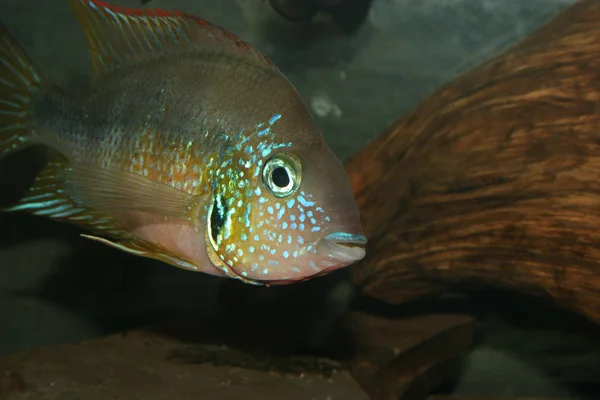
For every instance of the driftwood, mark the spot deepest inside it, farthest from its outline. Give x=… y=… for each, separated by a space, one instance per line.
x=495 y=178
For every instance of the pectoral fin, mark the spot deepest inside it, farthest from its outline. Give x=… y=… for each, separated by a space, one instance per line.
x=47 y=197
x=50 y=197
x=105 y=189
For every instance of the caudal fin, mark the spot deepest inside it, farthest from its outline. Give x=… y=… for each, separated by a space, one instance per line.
x=19 y=81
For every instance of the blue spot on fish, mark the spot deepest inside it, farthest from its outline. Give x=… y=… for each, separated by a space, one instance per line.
x=264 y=132
x=247 y=216
x=305 y=202
x=274 y=118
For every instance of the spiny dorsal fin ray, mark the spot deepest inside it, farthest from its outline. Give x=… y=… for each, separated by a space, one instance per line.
x=123 y=36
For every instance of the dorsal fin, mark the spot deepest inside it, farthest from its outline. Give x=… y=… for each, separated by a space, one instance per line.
x=122 y=36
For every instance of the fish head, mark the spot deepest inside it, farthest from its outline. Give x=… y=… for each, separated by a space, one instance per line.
x=282 y=211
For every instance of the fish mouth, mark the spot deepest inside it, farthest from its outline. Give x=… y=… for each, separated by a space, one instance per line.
x=343 y=247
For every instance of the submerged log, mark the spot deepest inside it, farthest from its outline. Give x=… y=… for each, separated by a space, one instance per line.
x=495 y=178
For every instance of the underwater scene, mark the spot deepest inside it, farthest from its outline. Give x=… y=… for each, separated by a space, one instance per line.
x=300 y=199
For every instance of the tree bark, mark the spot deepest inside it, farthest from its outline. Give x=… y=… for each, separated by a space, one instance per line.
x=495 y=178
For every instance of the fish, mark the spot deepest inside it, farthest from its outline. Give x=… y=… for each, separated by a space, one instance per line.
x=188 y=146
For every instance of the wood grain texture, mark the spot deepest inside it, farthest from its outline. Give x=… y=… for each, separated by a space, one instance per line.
x=495 y=178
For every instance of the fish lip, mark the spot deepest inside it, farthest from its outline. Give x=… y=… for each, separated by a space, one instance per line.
x=347 y=239
x=343 y=246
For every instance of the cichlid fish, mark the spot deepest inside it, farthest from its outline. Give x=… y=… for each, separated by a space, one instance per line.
x=189 y=146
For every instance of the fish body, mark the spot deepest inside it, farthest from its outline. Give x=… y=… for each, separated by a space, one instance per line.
x=189 y=146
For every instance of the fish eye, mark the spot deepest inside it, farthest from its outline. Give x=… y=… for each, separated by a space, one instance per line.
x=282 y=174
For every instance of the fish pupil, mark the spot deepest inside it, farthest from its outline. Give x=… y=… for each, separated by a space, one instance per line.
x=280 y=177
x=217 y=219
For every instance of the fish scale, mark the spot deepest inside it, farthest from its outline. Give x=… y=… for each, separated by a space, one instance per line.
x=189 y=146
